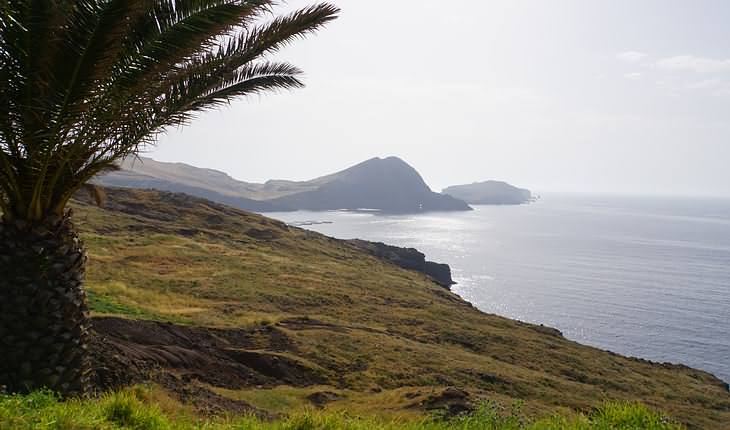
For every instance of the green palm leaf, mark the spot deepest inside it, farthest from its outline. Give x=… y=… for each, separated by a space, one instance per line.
x=84 y=83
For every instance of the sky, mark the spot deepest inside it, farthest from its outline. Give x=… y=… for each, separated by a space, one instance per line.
x=561 y=95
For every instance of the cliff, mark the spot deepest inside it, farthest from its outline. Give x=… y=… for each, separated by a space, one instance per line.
x=407 y=258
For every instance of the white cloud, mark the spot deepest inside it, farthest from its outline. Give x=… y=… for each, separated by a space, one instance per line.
x=691 y=63
x=631 y=56
x=632 y=76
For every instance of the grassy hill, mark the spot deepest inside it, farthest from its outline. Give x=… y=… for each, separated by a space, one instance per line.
x=226 y=310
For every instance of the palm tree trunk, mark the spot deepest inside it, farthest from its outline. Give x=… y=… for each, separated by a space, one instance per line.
x=44 y=321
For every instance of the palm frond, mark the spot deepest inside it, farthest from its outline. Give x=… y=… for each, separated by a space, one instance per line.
x=85 y=83
x=202 y=92
x=172 y=38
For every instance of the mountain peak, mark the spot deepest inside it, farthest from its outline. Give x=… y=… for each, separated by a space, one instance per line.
x=389 y=160
x=387 y=184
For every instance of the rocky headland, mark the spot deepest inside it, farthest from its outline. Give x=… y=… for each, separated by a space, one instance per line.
x=409 y=259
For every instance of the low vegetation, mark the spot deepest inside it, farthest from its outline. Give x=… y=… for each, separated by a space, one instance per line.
x=231 y=312
x=144 y=409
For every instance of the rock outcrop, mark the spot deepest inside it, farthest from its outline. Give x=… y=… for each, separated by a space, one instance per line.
x=407 y=258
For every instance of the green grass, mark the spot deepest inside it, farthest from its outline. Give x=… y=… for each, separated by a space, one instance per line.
x=107 y=305
x=133 y=409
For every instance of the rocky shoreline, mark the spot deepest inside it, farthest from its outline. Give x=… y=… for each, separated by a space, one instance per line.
x=407 y=258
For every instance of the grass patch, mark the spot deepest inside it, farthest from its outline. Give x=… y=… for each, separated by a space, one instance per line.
x=132 y=409
x=107 y=305
x=116 y=298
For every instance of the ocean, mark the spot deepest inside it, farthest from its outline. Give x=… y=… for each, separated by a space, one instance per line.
x=641 y=276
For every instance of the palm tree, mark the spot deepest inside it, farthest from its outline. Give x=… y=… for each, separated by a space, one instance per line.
x=84 y=83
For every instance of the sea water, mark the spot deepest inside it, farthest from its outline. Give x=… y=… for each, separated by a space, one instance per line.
x=641 y=276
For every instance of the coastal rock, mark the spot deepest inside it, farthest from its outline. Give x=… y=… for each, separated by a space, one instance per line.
x=407 y=258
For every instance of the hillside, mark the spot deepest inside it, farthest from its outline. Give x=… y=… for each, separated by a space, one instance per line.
x=146 y=173
x=226 y=310
x=388 y=184
x=489 y=193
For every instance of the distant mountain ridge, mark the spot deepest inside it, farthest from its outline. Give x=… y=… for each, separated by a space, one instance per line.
x=490 y=193
x=224 y=195
x=387 y=184
x=384 y=184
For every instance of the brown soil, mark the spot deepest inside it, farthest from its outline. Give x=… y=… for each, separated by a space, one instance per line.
x=185 y=359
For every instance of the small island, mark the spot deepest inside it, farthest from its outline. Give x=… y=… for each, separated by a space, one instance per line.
x=490 y=193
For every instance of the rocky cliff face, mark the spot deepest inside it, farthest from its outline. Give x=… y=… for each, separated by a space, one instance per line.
x=407 y=258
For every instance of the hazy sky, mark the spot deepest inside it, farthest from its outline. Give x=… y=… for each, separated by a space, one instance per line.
x=552 y=95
